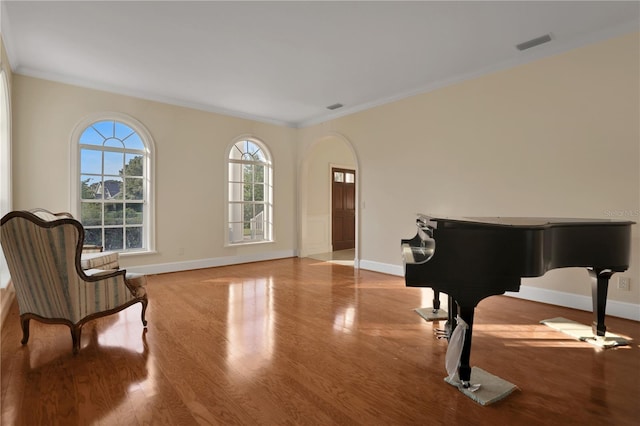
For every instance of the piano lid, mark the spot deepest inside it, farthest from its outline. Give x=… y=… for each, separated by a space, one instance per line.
x=525 y=222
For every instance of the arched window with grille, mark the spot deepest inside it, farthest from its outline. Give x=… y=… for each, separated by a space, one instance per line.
x=113 y=184
x=250 y=192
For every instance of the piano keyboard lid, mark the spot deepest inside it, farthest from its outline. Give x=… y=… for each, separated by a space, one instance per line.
x=523 y=222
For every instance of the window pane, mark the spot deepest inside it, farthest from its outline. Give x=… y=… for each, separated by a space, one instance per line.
x=113 y=163
x=235 y=232
x=113 y=239
x=133 y=188
x=133 y=165
x=258 y=173
x=91 y=137
x=113 y=214
x=255 y=151
x=248 y=212
x=90 y=161
x=134 y=213
x=122 y=131
x=93 y=236
x=236 y=152
x=236 y=191
x=258 y=192
x=351 y=178
x=257 y=223
x=338 y=177
x=113 y=143
x=247 y=192
x=247 y=173
x=89 y=186
x=111 y=189
x=91 y=214
x=104 y=128
x=134 y=142
x=134 y=237
x=235 y=212
x=235 y=172
x=251 y=152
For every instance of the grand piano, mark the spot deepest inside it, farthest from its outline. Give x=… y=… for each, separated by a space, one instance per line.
x=470 y=259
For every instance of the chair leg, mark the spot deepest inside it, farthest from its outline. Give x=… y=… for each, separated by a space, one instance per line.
x=76 y=331
x=144 y=302
x=25 y=330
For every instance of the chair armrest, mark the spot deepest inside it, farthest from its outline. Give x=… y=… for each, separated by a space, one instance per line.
x=136 y=283
x=99 y=260
x=95 y=274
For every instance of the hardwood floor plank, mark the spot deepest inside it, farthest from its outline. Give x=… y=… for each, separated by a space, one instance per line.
x=304 y=342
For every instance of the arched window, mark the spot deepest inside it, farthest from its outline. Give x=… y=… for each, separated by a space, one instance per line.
x=113 y=184
x=250 y=193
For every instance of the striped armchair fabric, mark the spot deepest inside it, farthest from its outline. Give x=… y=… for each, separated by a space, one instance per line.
x=92 y=256
x=44 y=258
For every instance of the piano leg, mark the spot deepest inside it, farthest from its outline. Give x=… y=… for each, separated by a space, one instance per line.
x=436 y=301
x=464 y=370
x=599 y=288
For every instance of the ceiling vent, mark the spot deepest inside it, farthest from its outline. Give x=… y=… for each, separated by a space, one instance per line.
x=335 y=106
x=534 y=42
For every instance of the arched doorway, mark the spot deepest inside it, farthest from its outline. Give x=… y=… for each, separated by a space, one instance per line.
x=328 y=213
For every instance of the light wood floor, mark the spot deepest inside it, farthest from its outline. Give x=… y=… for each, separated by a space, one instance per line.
x=299 y=341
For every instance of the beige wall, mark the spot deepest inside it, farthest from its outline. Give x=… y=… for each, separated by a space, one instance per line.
x=190 y=167
x=556 y=137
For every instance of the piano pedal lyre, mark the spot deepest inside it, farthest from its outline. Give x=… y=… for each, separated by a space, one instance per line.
x=444 y=333
x=441 y=333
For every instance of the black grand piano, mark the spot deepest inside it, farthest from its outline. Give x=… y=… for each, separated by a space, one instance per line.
x=470 y=259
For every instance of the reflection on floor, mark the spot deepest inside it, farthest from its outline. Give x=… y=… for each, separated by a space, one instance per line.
x=341 y=257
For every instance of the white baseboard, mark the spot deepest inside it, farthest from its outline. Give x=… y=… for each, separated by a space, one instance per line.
x=552 y=297
x=188 y=265
x=569 y=300
x=384 y=268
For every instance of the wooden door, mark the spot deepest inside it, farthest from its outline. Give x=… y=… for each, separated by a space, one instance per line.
x=343 y=209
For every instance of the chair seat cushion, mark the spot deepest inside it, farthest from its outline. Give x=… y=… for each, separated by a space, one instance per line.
x=101 y=260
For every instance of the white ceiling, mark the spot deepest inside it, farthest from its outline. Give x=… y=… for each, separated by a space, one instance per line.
x=285 y=62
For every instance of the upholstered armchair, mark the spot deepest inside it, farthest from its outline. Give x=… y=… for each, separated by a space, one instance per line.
x=44 y=254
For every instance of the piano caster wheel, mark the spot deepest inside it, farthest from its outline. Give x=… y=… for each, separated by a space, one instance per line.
x=469 y=387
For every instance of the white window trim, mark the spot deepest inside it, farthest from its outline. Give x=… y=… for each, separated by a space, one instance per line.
x=150 y=212
x=6 y=195
x=267 y=151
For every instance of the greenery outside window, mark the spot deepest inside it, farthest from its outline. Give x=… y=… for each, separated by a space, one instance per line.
x=250 y=193
x=114 y=186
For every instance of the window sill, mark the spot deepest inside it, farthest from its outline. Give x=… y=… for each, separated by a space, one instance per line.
x=249 y=243
x=136 y=253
